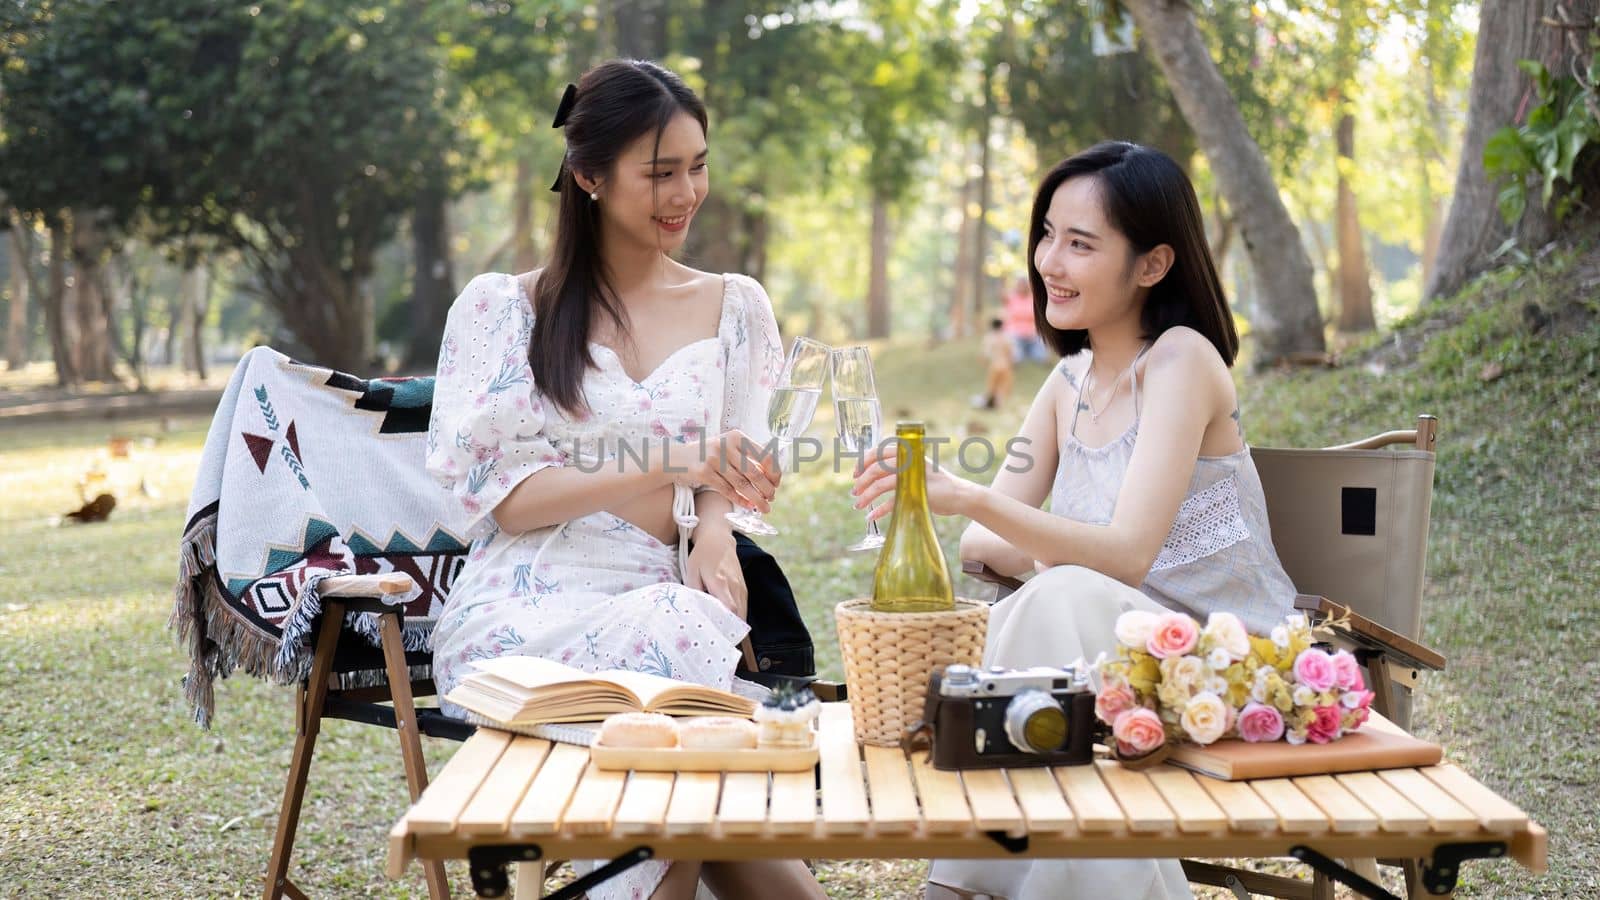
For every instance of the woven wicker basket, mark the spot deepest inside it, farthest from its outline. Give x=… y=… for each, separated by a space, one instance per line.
x=888 y=657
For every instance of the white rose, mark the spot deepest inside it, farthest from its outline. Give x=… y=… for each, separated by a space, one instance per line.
x=1205 y=718
x=1258 y=688
x=1134 y=627
x=1183 y=672
x=1219 y=659
x=1227 y=632
x=1291 y=737
x=1303 y=696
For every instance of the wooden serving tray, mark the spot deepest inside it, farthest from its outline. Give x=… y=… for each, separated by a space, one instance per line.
x=674 y=759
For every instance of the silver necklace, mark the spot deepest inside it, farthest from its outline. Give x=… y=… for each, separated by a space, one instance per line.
x=1094 y=414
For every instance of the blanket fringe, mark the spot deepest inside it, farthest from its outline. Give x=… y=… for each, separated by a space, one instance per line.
x=346 y=681
x=414 y=635
x=220 y=640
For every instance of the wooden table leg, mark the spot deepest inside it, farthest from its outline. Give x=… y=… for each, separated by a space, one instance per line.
x=530 y=880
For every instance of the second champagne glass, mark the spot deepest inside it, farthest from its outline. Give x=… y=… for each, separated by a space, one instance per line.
x=794 y=402
x=859 y=416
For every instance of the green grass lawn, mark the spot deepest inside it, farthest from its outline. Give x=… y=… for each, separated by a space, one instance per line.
x=107 y=788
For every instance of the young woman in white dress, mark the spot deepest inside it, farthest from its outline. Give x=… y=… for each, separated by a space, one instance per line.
x=592 y=417
x=1136 y=439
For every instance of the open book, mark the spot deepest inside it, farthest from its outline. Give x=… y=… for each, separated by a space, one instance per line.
x=526 y=690
x=1379 y=744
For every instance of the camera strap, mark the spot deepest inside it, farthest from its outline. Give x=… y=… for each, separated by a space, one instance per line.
x=919 y=735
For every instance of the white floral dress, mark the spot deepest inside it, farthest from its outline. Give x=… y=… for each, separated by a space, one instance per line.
x=596 y=592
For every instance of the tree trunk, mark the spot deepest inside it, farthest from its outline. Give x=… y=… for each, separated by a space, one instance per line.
x=716 y=241
x=1287 y=318
x=432 y=281
x=1502 y=94
x=94 y=321
x=56 y=321
x=327 y=311
x=1432 y=233
x=1223 y=240
x=524 y=243
x=17 y=334
x=194 y=291
x=138 y=294
x=961 y=287
x=1355 y=283
x=1432 y=138
x=878 y=277
x=980 y=234
x=636 y=28
x=755 y=247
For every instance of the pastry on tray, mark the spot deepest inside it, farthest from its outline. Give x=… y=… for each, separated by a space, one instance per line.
x=785 y=718
x=717 y=733
x=639 y=731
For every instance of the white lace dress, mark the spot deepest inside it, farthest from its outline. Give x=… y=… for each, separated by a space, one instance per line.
x=1217 y=556
x=596 y=592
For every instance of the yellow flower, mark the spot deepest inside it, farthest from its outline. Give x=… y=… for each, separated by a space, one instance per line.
x=1142 y=676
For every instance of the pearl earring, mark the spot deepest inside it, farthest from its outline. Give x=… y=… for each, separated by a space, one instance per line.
x=594 y=195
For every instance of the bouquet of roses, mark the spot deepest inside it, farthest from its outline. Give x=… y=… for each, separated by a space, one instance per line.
x=1173 y=680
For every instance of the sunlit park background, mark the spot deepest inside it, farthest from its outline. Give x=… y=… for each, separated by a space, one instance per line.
x=1402 y=210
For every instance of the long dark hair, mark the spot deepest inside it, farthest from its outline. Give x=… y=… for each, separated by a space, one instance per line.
x=617 y=102
x=1150 y=201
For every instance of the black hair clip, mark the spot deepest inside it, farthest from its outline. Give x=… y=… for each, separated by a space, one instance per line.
x=569 y=99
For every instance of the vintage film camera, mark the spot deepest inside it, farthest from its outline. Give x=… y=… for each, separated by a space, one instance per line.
x=992 y=718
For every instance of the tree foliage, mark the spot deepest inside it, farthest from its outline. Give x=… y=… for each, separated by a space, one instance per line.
x=297 y=133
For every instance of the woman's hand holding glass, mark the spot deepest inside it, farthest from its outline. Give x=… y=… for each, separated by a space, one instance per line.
x=948 y=495
x=734 y=465
x=794 y=402
x=859 y=417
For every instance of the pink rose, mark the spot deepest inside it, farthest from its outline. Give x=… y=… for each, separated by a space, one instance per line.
x=1325 y=727
x=1174 y=635
x=1357 y=705
x=1114 y=700
x=1347 y=671
x=1138 y=731
x=1259 y=722
x=1354 y=718
x=1314 y=669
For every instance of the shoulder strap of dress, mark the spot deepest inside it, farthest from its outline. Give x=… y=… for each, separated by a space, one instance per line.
x=1077 y=402
x=1134 y=371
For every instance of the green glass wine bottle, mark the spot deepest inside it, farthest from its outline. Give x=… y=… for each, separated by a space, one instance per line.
x=911 y=575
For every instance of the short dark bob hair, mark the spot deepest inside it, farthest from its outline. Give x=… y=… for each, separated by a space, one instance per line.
x=1149 y=200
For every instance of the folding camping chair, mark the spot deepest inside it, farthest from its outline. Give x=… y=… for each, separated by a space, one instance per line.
x=278 y=414
x=1350 y=524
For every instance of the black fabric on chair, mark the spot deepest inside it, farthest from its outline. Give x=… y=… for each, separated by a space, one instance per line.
x=778 y=633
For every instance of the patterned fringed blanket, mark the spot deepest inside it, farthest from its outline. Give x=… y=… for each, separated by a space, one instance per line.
x=306 y=473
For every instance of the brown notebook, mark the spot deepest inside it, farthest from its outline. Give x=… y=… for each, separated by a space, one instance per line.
x=1379 y=744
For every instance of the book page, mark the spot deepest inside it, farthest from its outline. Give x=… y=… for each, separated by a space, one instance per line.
x=534 y=672
x=658 y=694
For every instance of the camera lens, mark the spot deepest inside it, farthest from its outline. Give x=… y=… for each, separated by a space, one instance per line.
x=1035 y=722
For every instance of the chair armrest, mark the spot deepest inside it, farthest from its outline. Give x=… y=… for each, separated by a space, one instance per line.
x=1364 y=632
x=384 y=584
x=982 y=572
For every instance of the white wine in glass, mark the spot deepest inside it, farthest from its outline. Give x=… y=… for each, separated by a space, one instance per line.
x=794 y=402
x=858 y=415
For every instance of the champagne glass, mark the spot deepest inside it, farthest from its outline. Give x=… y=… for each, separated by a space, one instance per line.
x=794 y=402
x=859 y=416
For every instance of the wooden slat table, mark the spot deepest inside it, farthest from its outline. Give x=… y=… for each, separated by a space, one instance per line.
x=503 y=798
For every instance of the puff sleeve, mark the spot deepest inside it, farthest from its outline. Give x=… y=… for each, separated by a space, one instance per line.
x=486 y=433
x=754 y=360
